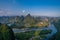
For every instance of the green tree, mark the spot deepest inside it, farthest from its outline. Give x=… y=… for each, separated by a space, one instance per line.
x=6 y=32
x=37 y=32
x=1 y=38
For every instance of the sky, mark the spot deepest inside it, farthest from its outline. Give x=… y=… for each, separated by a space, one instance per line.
x=33 y=7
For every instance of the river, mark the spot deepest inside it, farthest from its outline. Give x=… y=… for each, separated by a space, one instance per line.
x=50 y=27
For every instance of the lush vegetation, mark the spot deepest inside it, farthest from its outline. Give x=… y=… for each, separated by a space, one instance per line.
x=28 y=22
x=6 y=33
x=31 y=34
x=45 y=32
x=24 y=36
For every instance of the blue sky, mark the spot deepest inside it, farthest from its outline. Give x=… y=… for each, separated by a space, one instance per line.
x=34 y=7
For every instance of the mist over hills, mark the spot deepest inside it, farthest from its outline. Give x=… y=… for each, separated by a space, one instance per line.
x=27 y=20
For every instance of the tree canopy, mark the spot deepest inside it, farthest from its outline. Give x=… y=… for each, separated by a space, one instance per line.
x=6 y=32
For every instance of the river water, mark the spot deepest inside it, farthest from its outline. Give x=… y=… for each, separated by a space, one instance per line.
x=50 y=27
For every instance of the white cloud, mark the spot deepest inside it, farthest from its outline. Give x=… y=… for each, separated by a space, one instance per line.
x=23 y=11
x=53 y=13
x=2 y=11
x=5 y=12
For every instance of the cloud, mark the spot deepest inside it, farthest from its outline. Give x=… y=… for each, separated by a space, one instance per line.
x=23 y=11
x=5 y=12
x=53 y=13
x=2 y=11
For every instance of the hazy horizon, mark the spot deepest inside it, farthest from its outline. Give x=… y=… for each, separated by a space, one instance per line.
x=33 y=7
